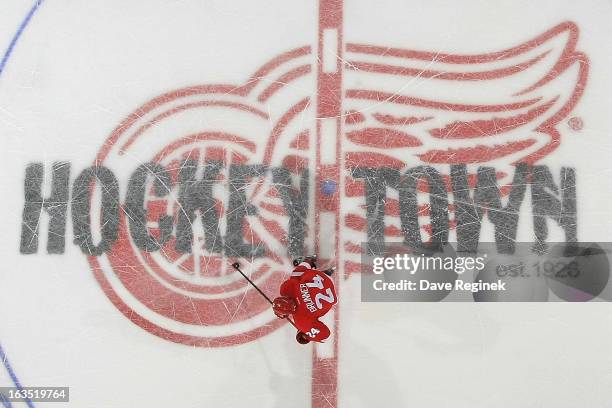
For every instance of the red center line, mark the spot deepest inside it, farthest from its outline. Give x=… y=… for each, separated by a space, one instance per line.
x=329 y=107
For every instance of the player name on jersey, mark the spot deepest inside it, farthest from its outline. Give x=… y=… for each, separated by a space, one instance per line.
x=306 y=298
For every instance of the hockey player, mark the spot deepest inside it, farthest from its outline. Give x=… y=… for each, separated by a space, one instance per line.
x=307 y=295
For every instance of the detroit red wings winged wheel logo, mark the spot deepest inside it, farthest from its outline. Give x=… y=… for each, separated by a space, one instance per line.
x=401 y=108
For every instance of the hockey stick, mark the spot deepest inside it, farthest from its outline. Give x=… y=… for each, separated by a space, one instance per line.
x=236 y=266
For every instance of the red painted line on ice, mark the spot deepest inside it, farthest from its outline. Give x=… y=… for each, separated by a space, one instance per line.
x=329 y=105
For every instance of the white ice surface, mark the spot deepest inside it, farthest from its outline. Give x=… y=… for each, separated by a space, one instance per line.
x=81 y=67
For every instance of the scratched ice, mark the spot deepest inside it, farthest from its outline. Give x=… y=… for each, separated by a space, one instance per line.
x=259 y=131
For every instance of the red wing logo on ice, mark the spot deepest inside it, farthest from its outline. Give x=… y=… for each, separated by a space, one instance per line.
x=407 y=108
x=399 y=106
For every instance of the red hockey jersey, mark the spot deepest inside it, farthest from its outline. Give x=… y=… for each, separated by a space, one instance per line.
x=315 y=295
